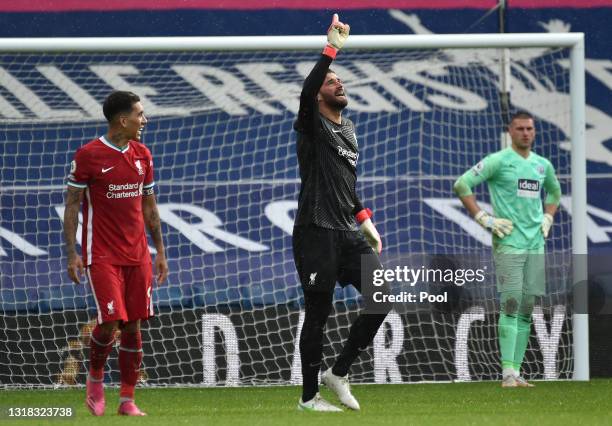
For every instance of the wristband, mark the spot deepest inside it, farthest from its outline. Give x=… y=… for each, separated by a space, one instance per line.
x=330 y=51
x=363 y=215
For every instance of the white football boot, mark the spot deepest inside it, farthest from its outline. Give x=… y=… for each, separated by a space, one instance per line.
x=509 y=381
x=317 y=404
x=522 y=383
x=340 y=386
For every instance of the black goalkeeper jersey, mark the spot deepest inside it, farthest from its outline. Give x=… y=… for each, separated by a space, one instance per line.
x=327 y=155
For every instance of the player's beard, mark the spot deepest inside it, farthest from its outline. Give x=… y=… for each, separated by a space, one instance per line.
x=337 y=103
x=340 y=103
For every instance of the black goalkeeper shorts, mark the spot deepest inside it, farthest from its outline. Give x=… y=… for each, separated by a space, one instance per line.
x=326 y=256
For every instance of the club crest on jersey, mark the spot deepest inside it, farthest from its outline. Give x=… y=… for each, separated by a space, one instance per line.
x=540 y=169
x=139 y=167
x=528 y=188
x=313 y=277
x=110 y=306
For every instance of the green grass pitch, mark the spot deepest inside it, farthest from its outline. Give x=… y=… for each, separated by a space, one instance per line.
x=549 y=403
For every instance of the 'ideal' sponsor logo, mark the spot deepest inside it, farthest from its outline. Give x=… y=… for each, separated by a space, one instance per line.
x=528 y=188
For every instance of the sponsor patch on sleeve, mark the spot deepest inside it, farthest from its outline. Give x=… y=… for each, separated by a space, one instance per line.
x=73 y=167
x=478 y=168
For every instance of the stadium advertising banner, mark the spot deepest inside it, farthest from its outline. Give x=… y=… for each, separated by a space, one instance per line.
x=230 y=347
x=220 y=131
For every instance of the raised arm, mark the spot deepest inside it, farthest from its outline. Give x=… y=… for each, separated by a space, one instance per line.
x=308 y=114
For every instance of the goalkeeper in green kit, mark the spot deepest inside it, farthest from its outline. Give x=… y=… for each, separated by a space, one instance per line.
x=519 y=225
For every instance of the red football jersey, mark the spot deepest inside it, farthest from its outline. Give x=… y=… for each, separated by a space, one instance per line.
x=114 y=180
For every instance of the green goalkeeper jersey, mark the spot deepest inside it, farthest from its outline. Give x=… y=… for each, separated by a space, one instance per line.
x=515 y=186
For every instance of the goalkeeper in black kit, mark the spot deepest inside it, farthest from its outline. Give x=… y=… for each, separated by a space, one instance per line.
x=327 y=246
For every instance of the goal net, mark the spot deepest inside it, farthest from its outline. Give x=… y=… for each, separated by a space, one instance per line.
x=220 y=130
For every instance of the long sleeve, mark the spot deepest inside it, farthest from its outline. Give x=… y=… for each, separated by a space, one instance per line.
x=308 y=114
x=552 y=187
x=481 y=172
x=358 y=206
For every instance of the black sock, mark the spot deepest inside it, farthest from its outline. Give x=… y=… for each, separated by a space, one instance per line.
x=361 y=335
x=318 y=308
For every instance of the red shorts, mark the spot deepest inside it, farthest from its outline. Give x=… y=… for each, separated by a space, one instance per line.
x=122 y=293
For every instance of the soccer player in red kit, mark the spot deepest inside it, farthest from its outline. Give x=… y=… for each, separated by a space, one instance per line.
x=112 y=176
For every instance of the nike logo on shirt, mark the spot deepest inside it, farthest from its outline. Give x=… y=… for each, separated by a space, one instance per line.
x=107 y=170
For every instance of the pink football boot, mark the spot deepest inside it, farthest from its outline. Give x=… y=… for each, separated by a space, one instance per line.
x=95 y=397
x=128 y=408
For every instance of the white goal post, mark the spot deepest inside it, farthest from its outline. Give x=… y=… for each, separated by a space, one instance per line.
x=271 y=178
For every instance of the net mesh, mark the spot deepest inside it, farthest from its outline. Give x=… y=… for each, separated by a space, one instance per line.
x=220 y=130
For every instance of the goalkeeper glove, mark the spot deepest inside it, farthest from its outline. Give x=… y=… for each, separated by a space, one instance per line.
x=369 y=230
x=547 y=222
x=500 y=227
x=337 y=34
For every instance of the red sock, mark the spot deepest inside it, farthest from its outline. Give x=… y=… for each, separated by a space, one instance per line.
x=100 y=346
x=130 y=357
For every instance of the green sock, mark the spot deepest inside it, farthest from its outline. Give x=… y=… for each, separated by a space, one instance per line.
x=507 y=330
x=523 y=330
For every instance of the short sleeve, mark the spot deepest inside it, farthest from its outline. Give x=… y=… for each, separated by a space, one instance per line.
x=149 y=180
x=80 y=173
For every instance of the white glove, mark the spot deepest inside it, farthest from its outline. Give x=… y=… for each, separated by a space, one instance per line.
x=547 y=222
x=371 y=235
x=337 y=33
x=500 y=227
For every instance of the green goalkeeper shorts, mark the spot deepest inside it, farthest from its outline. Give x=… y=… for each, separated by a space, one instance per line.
x=521 y=270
